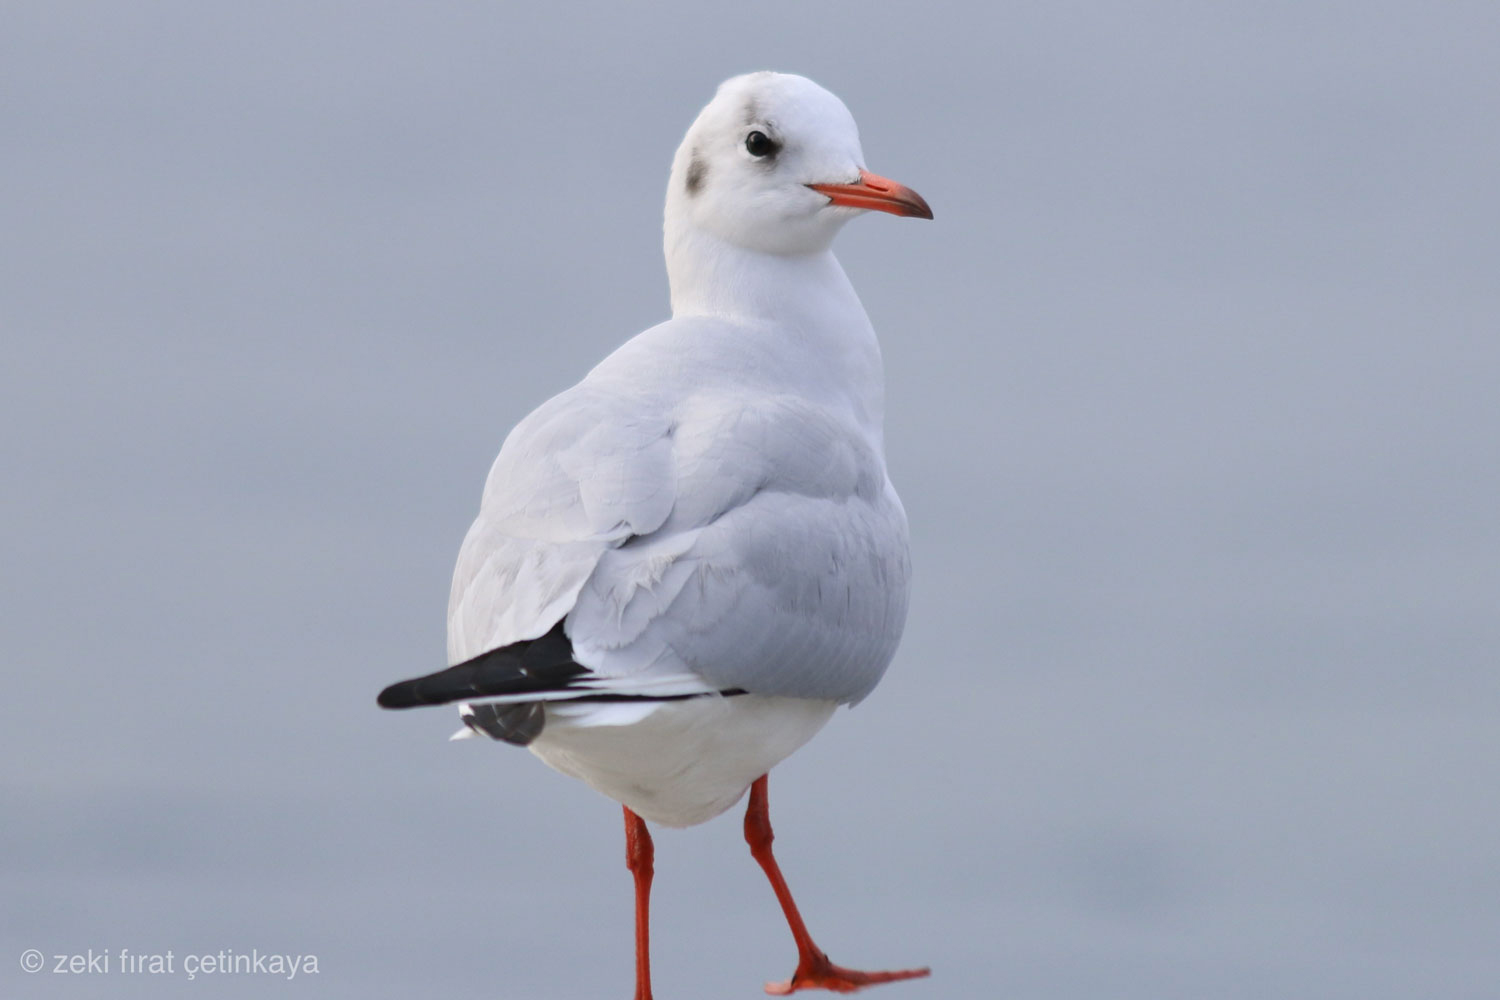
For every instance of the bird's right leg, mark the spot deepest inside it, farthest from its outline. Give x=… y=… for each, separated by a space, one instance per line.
x=814 y=970
x=640 y=857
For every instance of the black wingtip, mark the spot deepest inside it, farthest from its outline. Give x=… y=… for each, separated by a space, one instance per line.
x=532 y=665
x=398 y=695
x=453 y=684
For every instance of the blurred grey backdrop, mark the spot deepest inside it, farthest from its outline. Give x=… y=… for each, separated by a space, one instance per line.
x=1192 y=401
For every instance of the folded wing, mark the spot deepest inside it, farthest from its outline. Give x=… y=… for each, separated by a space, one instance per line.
x=724 y=540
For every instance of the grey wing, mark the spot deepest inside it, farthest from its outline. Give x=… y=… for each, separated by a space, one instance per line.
x=784 y=568
x=575 y=479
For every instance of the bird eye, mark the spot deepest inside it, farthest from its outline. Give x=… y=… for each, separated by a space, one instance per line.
x=759 y=144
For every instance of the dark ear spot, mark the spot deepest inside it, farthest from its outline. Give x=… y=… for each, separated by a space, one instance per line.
x=697 y=172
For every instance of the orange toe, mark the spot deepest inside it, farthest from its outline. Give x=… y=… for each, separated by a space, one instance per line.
x=818 y=973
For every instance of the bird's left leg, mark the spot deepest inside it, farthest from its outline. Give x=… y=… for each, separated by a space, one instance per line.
x=640 y=856
x=814 y=970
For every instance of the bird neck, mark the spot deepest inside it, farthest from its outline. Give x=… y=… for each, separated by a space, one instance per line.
x=803 y=304
x=709 y=276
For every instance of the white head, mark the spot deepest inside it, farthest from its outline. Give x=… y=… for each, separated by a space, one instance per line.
x=773 y=164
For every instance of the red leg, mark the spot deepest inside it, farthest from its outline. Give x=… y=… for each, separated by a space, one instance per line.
x=814 y=970
x=639 y=858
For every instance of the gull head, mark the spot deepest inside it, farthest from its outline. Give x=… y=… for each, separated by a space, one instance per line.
x=773 y=164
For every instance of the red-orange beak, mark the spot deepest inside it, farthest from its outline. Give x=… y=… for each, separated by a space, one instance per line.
x=880 y=194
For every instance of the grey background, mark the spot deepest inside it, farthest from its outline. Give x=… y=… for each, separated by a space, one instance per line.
x=1192 y=401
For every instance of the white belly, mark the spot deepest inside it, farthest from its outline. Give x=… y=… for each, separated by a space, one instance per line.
x=687 y=761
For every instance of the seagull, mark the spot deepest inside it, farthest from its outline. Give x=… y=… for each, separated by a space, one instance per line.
x=683 y=564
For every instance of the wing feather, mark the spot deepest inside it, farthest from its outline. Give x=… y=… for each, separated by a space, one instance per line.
x=719 y=539
x=783 y=569
x=580 y=475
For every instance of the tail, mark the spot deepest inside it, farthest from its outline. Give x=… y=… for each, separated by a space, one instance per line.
x=517 y=725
